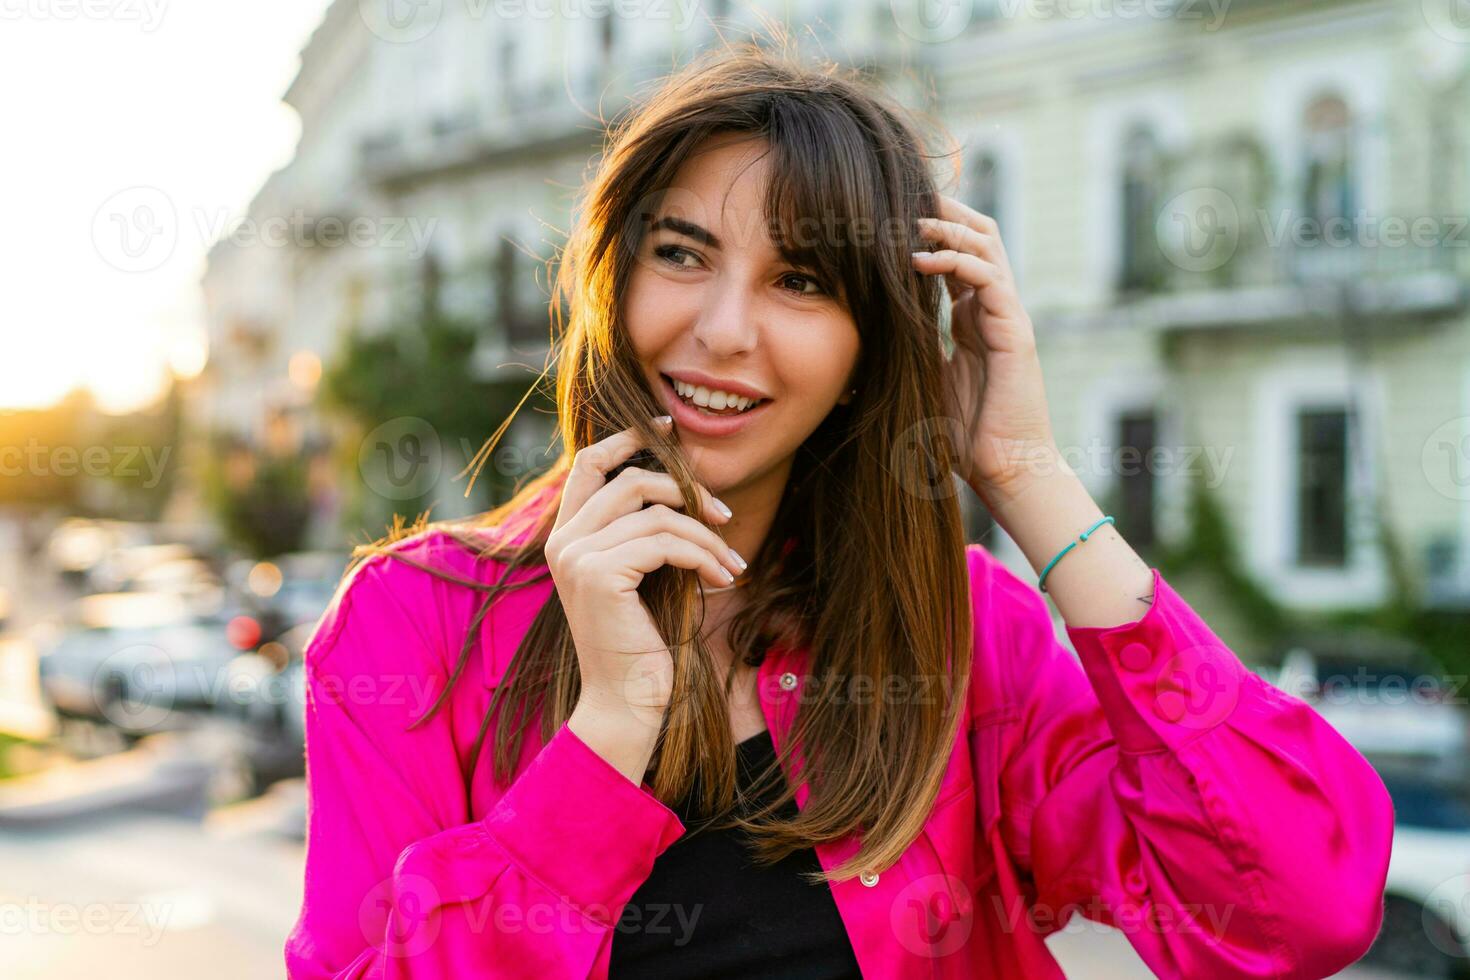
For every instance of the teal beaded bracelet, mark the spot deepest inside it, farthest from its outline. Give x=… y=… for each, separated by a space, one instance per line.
x=1041 y=582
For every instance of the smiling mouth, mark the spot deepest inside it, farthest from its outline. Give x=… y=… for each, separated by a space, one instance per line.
x=687 y=394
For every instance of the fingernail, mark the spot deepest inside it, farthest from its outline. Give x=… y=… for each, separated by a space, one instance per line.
x=919 y=255
x=663 y=419
x=738 y=560
x=720 y=506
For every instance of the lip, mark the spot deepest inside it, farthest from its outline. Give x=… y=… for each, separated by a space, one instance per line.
x=687 y=417
x=717 y=384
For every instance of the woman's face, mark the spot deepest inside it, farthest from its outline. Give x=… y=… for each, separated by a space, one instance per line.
x=712 y=302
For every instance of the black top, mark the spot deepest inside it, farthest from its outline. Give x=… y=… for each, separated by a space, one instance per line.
x=708 y=910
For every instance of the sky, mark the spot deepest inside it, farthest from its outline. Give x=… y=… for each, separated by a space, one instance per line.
x=132 y=131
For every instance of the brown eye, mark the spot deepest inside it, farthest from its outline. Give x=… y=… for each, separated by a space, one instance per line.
x=672 y=254
x=816 y=287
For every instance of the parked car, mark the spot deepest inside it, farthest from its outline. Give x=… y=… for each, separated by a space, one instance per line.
x=79 y=545
x=287 y=591
x=136 y=661
x=267 y=699
x=1426 y=910
x=1387 y=698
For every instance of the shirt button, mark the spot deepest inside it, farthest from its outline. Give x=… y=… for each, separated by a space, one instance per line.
x=869 y=878
x=788 y=681
x=1136 y=657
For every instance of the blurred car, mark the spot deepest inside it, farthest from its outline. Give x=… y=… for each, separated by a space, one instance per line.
x=136 y=660
x=267 y=699
x=288 y=591
x=120 y=569
x=1387 y=698
x=189 y=578
x=1426 y=909
x=79 y=545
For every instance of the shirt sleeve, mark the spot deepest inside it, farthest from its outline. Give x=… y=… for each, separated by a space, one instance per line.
x=400 y=881
x=1155 y=784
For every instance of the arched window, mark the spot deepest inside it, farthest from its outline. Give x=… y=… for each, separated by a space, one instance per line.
x=1327 y=171
x=982 y=180
x=1142 y=262
x=521 y=318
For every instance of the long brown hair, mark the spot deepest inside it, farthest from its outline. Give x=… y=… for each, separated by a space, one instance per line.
x=864 y=565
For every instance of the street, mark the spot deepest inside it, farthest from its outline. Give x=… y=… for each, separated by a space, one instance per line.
x=139 y=895
x=137 y=898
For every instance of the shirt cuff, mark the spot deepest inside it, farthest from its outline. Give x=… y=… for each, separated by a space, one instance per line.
x=1164 y=679
x=580 y=827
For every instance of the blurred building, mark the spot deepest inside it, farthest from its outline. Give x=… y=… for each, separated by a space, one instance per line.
x=1245 y=246
x=1239 y=229
x=438 y=163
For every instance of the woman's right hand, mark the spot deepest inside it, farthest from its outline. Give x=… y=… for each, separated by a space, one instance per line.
x=604 y=541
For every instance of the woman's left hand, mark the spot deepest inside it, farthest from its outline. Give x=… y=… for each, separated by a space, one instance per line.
x=993 y=380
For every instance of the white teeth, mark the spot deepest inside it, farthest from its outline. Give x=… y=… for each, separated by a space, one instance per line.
x=714 y=400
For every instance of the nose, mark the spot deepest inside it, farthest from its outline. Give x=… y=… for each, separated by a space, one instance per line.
x=727 y=325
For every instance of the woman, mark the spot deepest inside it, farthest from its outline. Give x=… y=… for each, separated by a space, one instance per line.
x=862 y=751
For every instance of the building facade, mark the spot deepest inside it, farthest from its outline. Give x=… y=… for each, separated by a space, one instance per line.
x=1239 y=228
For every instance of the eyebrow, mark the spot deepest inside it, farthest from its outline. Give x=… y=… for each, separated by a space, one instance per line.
x=688 y=229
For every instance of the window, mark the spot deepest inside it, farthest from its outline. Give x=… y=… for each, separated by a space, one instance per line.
x=1327 y=178
x=508 y=68
x=983 y=191
x=1322 y=475
x=517 y=313
x=606 y=36
x=1137 y=486
x=1143 y=173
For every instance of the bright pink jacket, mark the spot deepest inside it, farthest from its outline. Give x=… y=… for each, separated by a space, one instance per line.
x=1157 y=786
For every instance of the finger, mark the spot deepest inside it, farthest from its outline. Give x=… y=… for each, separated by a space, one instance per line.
x=963 y=238
x=951 y=209
x=964 y=266
x=662 y=518
x=591 y=464
x=647 y=554
x=630 y=491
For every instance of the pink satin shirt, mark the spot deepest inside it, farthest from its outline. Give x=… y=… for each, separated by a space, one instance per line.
x=1150 y=782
